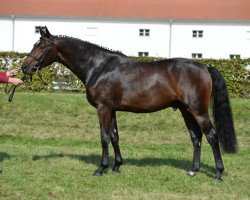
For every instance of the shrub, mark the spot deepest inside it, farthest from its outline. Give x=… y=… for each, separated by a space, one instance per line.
x=57 y=76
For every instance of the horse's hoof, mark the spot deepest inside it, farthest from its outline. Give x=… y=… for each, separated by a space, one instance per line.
x=218 y=175
x=97 y=173
x=116 y=171
x=100 y=171
x=191 y=173
x=218 y=178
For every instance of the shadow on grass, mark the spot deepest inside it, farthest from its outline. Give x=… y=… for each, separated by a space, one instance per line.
x=3 y=156
x=95 y=159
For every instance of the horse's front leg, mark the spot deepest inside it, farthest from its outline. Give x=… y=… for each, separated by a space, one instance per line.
x=104 y=114
x=115 y=143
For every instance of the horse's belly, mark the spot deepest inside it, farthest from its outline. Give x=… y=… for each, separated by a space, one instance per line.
x=147 y=102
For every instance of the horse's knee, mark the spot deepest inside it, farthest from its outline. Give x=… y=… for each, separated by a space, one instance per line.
x=114 y=136
x=204 y=123
x=105 y=139
x=208 y=128
x=212 y=137
x=196 y=139
x=196 y=143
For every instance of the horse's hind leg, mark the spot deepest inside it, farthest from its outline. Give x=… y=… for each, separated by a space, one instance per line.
x=196 y=136
x=212 y=138
x=115 y=143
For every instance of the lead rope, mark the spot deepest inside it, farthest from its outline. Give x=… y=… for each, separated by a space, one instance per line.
x=12 y=89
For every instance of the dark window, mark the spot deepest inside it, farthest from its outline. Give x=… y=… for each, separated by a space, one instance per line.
x=144 y=32
x=194 y=33
x=200 y=34
x=196 y=55
x=143 y=54
x=197 y=34
x=234 y=56
x=37 y=30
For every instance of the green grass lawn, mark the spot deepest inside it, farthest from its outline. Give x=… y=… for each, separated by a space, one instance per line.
x=50 y=147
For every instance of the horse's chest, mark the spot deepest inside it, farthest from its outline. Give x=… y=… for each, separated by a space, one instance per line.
x=91 y=98
x=104 y=94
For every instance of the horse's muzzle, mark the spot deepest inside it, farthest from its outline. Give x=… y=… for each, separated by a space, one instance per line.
x=27 y=70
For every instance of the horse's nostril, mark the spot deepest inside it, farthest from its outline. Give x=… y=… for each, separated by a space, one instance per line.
x=24 y=69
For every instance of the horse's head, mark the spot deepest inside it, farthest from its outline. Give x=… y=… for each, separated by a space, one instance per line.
x=43 y=53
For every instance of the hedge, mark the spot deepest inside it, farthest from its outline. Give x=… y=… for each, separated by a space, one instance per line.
x=59 y=77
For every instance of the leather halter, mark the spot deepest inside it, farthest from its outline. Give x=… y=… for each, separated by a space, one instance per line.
x=40 y=60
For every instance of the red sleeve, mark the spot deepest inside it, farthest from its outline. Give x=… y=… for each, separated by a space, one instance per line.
x=3 y=77
x=2 y=73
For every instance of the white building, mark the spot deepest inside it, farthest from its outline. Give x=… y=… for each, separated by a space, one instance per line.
x=161 y=28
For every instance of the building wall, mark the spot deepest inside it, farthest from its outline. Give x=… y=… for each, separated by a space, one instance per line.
x=6 y=34
x=219 y=39
x=174 y=39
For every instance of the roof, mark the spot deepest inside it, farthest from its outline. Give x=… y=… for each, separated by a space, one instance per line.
x=131 y=9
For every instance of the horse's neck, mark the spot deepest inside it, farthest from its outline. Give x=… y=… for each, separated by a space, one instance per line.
x=80 y=61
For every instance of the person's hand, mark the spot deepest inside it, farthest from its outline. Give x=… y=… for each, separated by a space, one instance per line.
x=13 y=72
x=16 y=81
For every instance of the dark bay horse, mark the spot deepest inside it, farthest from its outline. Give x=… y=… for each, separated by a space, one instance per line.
x=115 y=82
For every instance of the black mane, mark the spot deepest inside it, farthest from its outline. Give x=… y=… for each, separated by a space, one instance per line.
x=90 y=45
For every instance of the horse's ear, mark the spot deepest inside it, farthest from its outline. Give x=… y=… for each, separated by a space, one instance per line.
x=44 y=32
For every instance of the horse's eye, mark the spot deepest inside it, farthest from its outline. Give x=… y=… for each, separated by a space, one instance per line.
x=41 y=46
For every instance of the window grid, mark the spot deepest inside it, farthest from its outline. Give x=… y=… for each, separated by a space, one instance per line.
x=144 y=32
x=196 y=55
x=197 y=33
x=37 y=29
x=234 y=56
x=143 y=54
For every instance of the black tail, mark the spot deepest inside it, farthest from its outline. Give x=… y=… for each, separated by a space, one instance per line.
x=223 y=118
